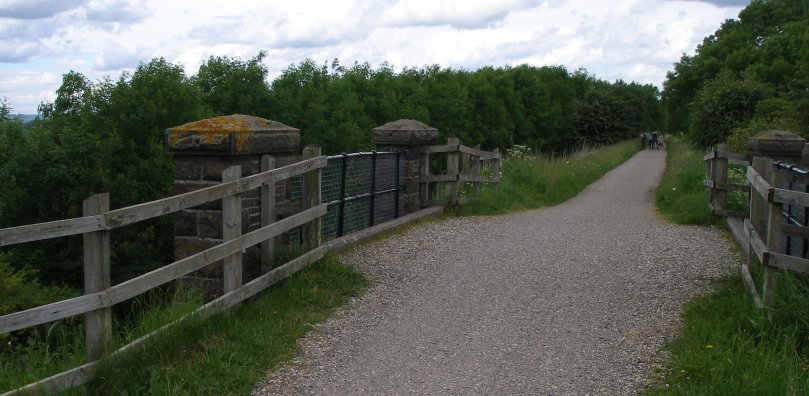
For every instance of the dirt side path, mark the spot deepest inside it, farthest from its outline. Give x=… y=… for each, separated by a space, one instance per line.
x=573 y=299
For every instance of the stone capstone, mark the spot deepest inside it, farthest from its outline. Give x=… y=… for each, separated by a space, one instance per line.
x=776 y=144
x=405 y=132
x=236 y=134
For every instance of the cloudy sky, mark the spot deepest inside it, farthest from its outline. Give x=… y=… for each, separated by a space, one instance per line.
x=634 y=40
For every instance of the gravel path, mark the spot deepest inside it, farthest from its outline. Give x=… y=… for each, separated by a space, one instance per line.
x=574 y=299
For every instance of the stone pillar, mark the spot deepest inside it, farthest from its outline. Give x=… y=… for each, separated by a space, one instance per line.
x=202 y=150
x=407 y=137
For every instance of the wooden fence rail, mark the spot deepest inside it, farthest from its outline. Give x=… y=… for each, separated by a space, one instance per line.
x=716 y=163
x=98 y=220
x=474 y=162
x=767 y=229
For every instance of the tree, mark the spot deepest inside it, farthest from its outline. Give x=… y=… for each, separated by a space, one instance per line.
x=230 y=86
x=721 y=106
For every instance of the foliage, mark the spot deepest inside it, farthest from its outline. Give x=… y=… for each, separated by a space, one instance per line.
x=231 y=86
x=720 y=107
x=96 y=137
x=545 y=108
x=21 y=290
x=728 y=347
x=681 y=195
x=751 y=72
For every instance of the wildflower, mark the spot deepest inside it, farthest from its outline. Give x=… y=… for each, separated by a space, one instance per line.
x=674 y=189
x=709 y=346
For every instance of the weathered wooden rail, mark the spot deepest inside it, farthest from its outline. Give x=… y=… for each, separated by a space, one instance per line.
x=768 y=226
x=100 y=296
x=473 y=164
x=716 y=164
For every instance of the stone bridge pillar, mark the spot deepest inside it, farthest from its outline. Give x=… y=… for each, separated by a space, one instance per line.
x=201 y=151
x=407 y=136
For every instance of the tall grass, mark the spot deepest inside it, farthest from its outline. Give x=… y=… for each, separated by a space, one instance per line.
x=681 y=196
x=529 y=181
x=54 y=347
x=229 y=353
x=225 y=354
x=728 y=347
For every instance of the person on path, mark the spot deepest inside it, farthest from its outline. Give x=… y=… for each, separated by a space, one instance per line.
x=642 y=140
x=653 y=140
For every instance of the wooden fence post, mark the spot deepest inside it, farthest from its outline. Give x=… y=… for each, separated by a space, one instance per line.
x=709 y=171
x=425 y=174
x=311 y=198
x=496 y=167
x=98 y=323
x=777 y=179
x=232 y=229
x=476 y=172
x=720 y=175
x=452 y=171
x=267 y=214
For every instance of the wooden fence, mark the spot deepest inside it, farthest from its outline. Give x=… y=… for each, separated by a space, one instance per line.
x=474 y=164
x=716 y=164
x=100 y=295
x=769 y=227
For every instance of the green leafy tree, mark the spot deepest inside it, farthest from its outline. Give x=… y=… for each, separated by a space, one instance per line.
x=767 y=45
x=231 y=86
x=721 y=106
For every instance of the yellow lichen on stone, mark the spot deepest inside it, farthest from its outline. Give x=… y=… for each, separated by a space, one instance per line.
x=213 y=130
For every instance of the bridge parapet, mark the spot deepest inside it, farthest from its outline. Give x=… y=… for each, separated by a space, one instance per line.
x=202 y=150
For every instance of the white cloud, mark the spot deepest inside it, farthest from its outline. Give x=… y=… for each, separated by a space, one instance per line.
x=29 y=89
x=116 y=56
x=466 y=14
x=118 y=11
x=36 y=9
x=627 y=39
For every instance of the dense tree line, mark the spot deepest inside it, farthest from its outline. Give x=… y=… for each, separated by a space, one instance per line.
x=107 y=135
x=751 y=75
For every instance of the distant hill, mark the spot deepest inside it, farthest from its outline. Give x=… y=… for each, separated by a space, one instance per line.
x=26 y=118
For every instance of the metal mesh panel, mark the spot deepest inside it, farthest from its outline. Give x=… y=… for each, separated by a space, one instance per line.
x=330 y=180
x=358 y=175
x=328 y=223
x=357 y=215
x=796 y=215
x=352 y=193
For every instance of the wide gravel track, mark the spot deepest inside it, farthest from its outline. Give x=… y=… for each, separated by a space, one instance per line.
x=577 y=298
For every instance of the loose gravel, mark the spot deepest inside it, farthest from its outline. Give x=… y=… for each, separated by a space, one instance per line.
x=579 y=299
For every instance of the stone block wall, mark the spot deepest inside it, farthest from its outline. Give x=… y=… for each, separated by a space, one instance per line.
x=202 y=150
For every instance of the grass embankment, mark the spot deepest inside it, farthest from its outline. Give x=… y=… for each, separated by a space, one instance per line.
x=727 y=346
x=529 y=181
x=226 y=354
x=229 y=353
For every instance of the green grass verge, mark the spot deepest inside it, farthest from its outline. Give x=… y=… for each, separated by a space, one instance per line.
x=229 y=353
x=529 y=182
x=226 y=354
x=681 y=196
x=728 y=347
